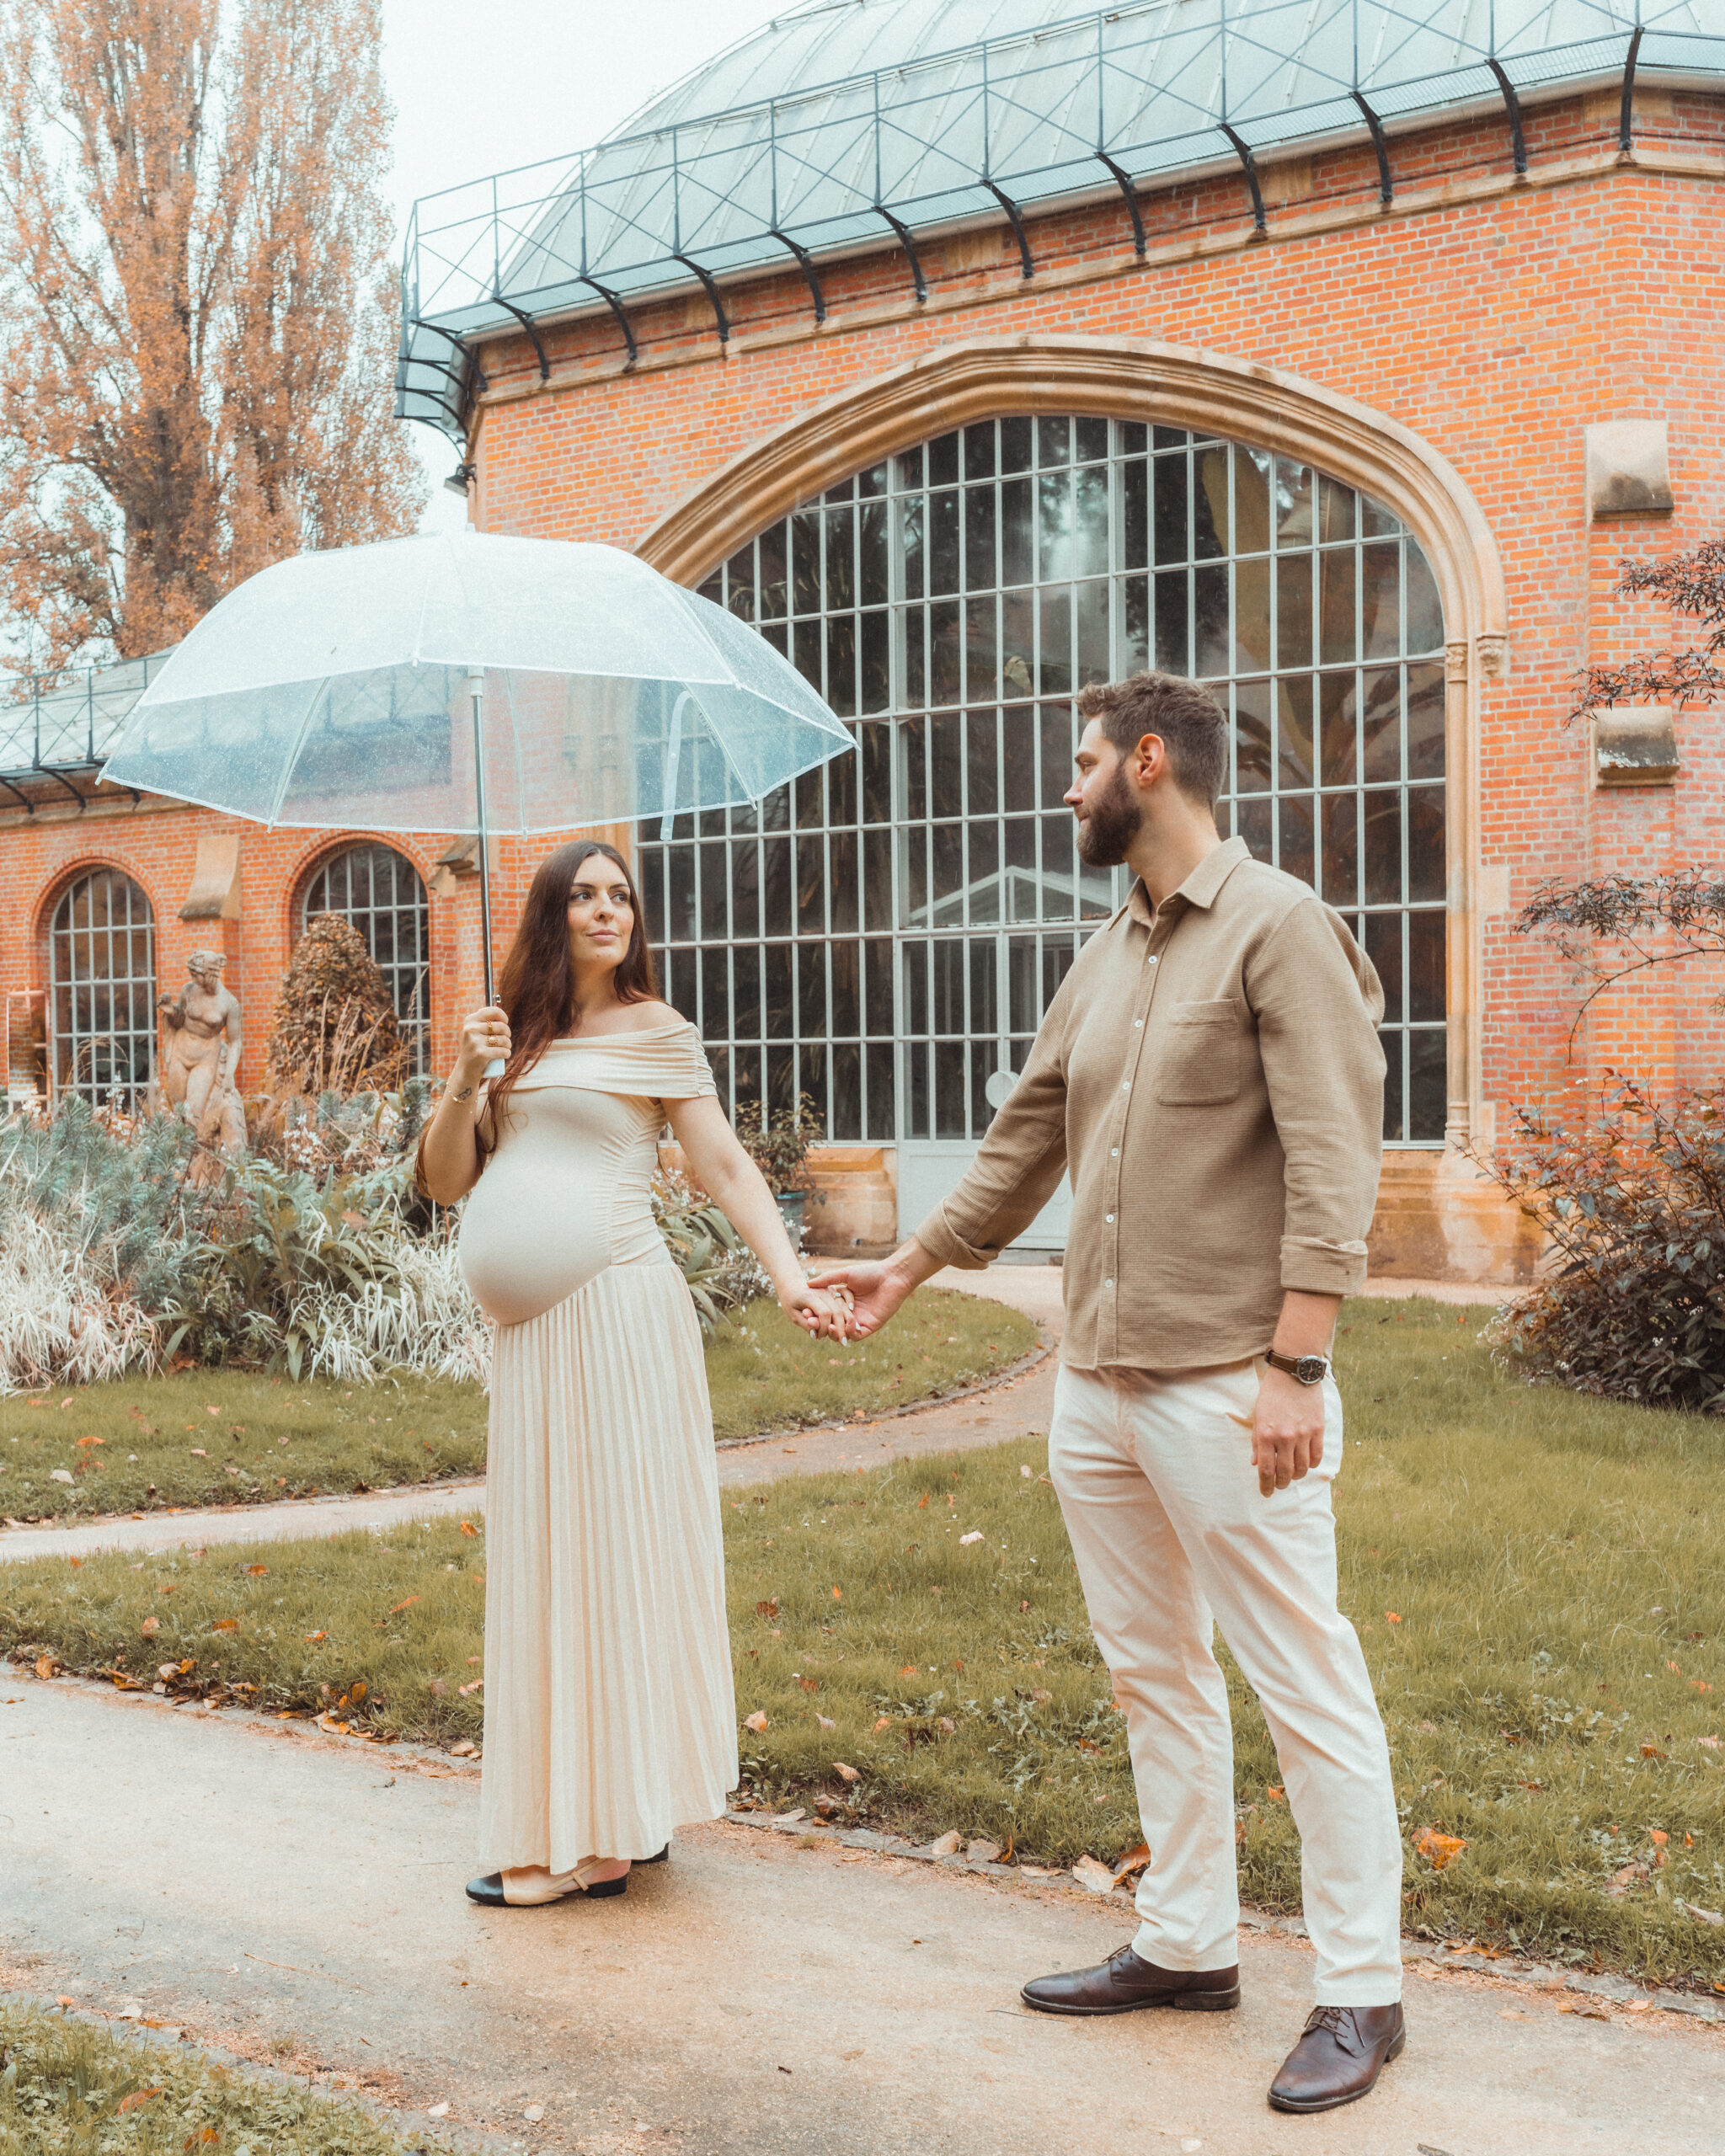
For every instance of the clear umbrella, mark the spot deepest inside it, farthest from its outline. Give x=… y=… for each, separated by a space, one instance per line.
x=466 y=682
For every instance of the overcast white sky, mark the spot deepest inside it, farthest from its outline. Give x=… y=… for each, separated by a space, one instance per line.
x=479 y=90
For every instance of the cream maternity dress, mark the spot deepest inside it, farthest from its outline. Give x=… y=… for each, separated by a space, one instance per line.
x=609 y=1713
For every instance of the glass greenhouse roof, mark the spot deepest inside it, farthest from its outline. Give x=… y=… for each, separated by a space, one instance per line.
x=850 y=123
x=67 y=722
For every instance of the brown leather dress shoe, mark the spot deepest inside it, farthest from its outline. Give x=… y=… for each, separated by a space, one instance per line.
x=1341 y=2055
x=1124 y=1983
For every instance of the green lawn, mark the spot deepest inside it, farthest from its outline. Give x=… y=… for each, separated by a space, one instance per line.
x=68 y=2087
x=1535 y=1577
x=223 y=1437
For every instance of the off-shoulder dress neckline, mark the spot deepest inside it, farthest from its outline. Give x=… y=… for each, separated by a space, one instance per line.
x=635 y=1033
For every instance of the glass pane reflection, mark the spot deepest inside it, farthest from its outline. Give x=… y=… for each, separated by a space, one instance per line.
x=948 y=604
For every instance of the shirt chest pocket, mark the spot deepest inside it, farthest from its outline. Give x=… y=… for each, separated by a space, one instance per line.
x=1200 y=1059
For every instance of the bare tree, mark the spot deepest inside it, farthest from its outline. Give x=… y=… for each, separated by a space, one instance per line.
x=196 y=309
x=1610 y=927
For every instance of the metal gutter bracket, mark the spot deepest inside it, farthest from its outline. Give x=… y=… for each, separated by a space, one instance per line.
x=1123 y=180
x=910 y=247
x=806 y=262
x=1386 y=185
x=1626 y=118
x=719 y=312
x=1013 y=211
x=1249 y=164
x=616 y=306
x=527 y=323
x=1512 y=105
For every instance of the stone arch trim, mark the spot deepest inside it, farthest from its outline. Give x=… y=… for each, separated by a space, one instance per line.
x=1171 y=384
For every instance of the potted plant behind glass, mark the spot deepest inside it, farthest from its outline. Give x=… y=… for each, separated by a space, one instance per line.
x=778 y=1146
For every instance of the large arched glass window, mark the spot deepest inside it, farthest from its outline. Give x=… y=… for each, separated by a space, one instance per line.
x=102 y=978
x=886 y=934
x=379 y=891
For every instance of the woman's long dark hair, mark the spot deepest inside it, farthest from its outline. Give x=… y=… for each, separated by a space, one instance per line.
x=537 y=986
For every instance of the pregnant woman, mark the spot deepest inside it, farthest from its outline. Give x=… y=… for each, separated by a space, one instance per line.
x=609 y=1715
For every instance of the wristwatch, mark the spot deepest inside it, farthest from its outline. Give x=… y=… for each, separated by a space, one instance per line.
x=1309 y=1369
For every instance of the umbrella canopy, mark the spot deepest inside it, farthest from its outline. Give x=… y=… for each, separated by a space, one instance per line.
x=337 y=690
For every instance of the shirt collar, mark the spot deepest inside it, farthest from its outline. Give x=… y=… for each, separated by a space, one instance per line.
x=1200 y=888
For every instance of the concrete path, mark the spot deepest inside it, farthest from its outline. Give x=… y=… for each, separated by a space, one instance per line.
x=255 y=1884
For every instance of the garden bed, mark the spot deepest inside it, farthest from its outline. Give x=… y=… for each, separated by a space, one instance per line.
x=1531 y=1574
x=228 y=1437
x=68 y=2087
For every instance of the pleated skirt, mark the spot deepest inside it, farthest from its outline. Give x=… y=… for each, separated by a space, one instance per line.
x=610 y=1717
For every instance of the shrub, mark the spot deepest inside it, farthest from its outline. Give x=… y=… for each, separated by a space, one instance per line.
x=778 y=1146
x=334 y=1028
x=1633 y=1203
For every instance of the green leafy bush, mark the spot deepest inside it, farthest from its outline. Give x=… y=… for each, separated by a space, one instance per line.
x=1633 y=1203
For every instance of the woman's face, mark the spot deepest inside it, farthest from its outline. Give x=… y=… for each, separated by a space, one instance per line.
x=601 y=917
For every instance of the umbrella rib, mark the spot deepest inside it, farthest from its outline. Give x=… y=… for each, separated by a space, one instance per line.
x=293 y=754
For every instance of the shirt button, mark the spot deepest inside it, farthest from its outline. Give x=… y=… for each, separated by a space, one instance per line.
x=1138 y=1021
x=1107 y=1284
x=1115 y=1151
x=1125 y=1084
x=1107 y=1216
x=1152 y=957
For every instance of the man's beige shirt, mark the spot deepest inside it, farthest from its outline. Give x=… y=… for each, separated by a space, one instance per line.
x=1210 y=1074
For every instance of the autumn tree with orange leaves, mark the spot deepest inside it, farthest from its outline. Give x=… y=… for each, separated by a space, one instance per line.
x=197 y=324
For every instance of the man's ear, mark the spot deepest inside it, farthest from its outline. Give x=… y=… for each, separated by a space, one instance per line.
x=1150 y=758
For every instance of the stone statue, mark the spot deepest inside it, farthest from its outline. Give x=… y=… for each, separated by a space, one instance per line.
x=200 y=1055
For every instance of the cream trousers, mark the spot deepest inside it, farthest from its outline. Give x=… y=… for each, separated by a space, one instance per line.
x=1155 y=1478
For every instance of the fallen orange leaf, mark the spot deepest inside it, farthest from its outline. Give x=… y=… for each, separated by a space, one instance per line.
x=83 y=1442
x=137 y=2096
x=313 y=1638
x=256 y=1572
x=400 y=1606
x=808 y=1683
x=884 y=1721
x=1658 y=1837
x=468 y=1528
x=1275 y=1792
x=837 y=1595
x=1438 y=1849
x=844 y=1773
x=225 y=1625
x=150 y=1625
x=757 y=1721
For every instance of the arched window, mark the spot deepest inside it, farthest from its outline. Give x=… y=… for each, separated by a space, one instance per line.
x=102 y=976
x=886 y=935
x=379 y=891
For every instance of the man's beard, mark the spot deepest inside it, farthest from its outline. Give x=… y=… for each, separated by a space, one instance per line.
x=1114 y=820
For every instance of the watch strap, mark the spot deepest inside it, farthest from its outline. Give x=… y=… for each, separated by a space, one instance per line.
x=1307 y=1370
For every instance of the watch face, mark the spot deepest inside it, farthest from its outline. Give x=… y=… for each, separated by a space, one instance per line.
x=1310 y=1369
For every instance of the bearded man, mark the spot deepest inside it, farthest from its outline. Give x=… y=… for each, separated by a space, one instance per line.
x=1210 y=1073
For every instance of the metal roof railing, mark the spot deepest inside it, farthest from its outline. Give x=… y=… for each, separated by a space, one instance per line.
x=54 y=726
x=1123 y=98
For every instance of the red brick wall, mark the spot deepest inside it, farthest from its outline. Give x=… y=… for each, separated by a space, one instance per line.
x=1495 y=320
x=1497 y=327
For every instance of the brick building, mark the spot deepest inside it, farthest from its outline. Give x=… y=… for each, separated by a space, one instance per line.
x=972 y=350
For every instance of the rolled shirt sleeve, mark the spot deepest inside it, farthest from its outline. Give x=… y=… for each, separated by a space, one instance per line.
x=1317 y=1002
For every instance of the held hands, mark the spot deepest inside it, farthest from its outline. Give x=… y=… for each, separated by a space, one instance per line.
x=485 y=1036
x=1287 y=1429
x=822 y=1316
x=873 y=1290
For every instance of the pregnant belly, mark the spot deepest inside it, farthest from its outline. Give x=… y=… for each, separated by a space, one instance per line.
x=521 y=1255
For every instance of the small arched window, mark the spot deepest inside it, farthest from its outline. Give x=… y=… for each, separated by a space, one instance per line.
x=379 y=891
x=102 y=974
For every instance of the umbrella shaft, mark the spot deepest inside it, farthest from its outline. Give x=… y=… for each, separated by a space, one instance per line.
x=476 y=681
